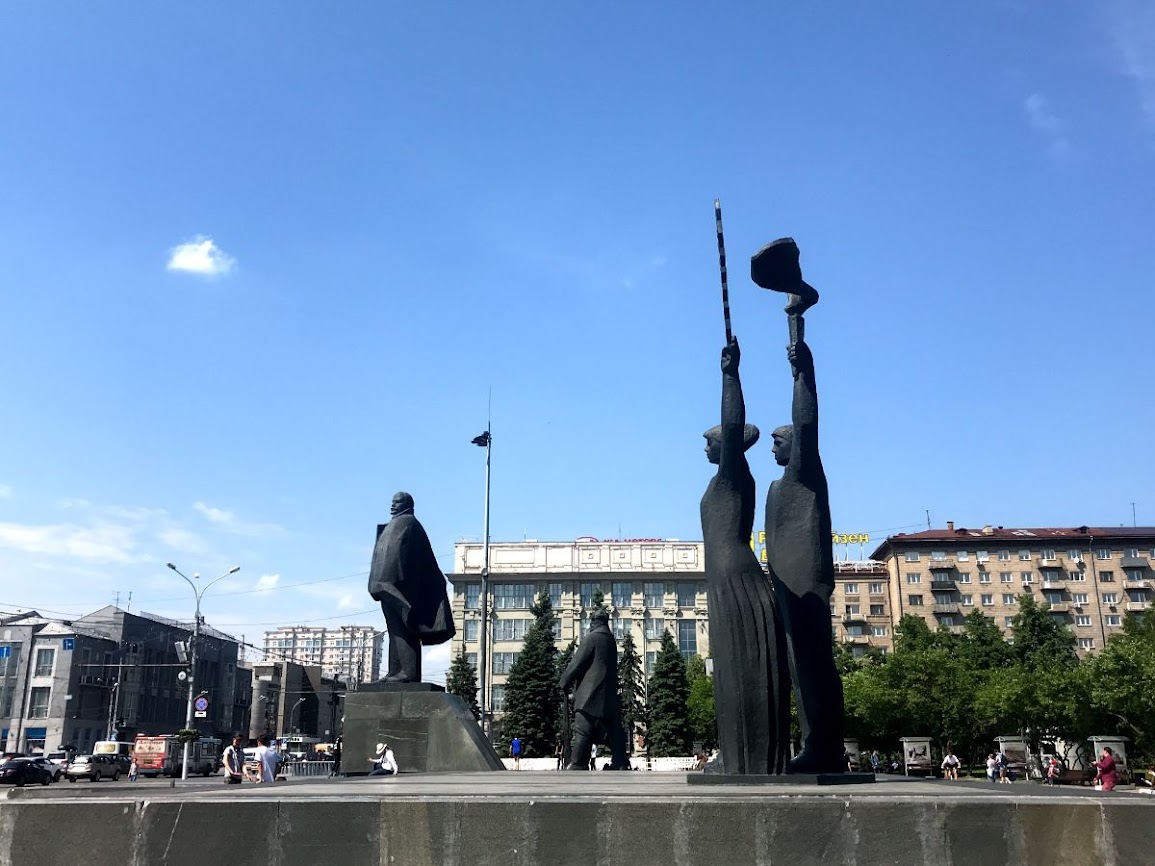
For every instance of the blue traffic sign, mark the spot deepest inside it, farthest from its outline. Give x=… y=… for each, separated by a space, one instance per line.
x=5 y=652
x=69 y=643
x=201 y=703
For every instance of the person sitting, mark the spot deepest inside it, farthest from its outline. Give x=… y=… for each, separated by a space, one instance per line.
x=384 y=763
x=950 y=765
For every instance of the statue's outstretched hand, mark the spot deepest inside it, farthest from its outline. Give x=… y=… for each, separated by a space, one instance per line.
x=800 y=357
x=731 y=355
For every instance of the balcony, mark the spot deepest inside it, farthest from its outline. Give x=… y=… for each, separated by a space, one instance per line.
x=943 y=584
x=1134 y=562
x=944 y=607
x=853 y=617
x=1054 y=583
x=942 y=564
x=1138 y=605
x=1060 y=607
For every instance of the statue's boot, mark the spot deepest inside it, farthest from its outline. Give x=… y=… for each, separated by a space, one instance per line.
x=811 y=762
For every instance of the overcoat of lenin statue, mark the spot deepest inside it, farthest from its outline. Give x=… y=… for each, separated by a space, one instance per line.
x=593 y=675
x=405 y=578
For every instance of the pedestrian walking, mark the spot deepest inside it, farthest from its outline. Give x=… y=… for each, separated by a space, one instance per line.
x=1108 y=776
x=132 y=770
x=515 y=752
x=267 y=760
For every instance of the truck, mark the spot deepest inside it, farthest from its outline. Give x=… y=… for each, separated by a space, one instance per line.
x=163 y=755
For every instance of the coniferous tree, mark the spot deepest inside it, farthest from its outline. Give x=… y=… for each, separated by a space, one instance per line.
x=462 y=681
x=532 y=696
x=631 y=689
x=701 y=714
x=667 y=735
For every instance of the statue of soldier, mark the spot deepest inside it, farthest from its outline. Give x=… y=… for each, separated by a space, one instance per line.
x=593 y=675
x=799 y=551
x=405 y=578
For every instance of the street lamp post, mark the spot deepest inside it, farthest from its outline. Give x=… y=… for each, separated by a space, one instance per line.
x=292 y=713
x=198 y=593
x=486 y=441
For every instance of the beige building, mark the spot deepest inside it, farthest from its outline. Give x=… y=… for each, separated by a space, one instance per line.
x=860 y=607
x=350 y=653
x=649 y=585
x=1090 y=577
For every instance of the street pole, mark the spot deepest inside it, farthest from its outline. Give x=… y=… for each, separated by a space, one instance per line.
x=198 y=593
x=483 y=656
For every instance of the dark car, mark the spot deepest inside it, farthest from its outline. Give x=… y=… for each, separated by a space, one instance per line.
x=23 y=771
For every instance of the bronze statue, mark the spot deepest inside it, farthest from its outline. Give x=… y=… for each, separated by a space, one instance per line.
x=798 y=527
x=405 y=578
x=751 y=678
x=593 y=675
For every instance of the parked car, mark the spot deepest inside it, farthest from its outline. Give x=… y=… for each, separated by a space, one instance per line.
x=54 y=770
x=94 y=767
x=59 y=758
x=22 y=771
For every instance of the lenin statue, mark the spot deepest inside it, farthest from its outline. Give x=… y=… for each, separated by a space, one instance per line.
x=593 y=675
x=405 y=578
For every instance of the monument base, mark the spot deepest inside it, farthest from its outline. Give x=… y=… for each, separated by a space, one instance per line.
x=790 y=779
x=428 y=730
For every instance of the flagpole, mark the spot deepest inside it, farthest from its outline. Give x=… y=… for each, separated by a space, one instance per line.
x=483 y=656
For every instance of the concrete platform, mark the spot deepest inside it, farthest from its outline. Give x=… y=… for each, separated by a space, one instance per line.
x=580 y=818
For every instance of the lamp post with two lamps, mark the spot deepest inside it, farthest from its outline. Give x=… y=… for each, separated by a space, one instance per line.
x=198 y=592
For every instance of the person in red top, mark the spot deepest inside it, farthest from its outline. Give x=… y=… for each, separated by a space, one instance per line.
x=1108 y=776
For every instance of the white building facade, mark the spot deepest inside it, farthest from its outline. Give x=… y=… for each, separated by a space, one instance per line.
x=351 y=653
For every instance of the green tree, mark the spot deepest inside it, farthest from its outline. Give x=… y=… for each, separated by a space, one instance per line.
x=462 y=681
x=631 y=689
x=532 y=695
x=667 y=693
x=1120 y=685
x=1040 y=641
x=701 y=714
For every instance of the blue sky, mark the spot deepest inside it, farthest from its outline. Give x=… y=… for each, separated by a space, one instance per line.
x=261 y=263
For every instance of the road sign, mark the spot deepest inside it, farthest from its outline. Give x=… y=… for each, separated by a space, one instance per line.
x=69 y=643
x=5 y=652
x=201 y=704
x=200 y=714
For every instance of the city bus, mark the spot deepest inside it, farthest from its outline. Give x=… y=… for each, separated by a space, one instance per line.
x=115 y=748
x=163 y=755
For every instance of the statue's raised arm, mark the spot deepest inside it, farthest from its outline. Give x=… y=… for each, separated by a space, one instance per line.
x=804 y=461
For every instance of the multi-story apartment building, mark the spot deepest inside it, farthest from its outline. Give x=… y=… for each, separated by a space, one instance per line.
x=860 y=607
x=351 y=653
x=1091 y=577
x=649 y=585
x=109 y=674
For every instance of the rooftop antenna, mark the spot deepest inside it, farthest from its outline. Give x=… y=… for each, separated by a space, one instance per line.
x=928 y=518
x=1133 y=523
x=129 y=608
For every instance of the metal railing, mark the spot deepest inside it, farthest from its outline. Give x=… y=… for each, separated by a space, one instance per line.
x=302 y=769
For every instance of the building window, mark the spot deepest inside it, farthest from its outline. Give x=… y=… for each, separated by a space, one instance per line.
x=1076 y=576
x=1006 y=576
x=984 y=577
x=512 y=596
x=1024 y=556
x=914 y=600
x=651 y=658
x=855 y=631
x=1028 y=577
x=555 y=593
x=497 y=699
x=1004 y=556
x=1102 y=553
x=655 y=628
x=852 y=589
x=912 y=556
x=1110 y=598
x=1079 y=598
x=982 y=556
x=1139 y=595
x=688 y=638
x=878 y=630
x=963 y=556
x=963 y=577
x=1008 y=598
x=472 y=596
x=878 y=610
x=621 y=627
x=622 y=594
x=1134 y=574
x=1049 y=556
x=1086 y=643
x=471 y=628
x=876 y=588
x=1083 y=621
x=687 y=594
x=968 y=601
x=1008 y=621
x=988 y=599
x=1106 y=577
x=472 y=659
x=853 y=609
x=38 y=702
x=587 y=591
x=555 y=628
x=1053 y=596
x=1113 y=620
x=1132 y=553
x=942 y=598
x=654 y=594
x=44 y=662
x=511 y=629
x=937 y=555
x=1075 y=555
x=914 y=578
x=502 y=662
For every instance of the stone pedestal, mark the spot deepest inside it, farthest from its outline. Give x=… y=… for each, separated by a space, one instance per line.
x=429 y=731
x=786 y=779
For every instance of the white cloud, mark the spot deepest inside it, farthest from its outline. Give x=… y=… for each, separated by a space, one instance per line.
x=181 y=539
x=215 y=515
x=1046 y=122
x=102 y=543
x=201 y=255
x=69 y=502
x=267 y=582
x=227 y=520
x=1132 y=28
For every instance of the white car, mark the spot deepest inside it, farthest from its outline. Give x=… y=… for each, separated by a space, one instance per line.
x=51 y=766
